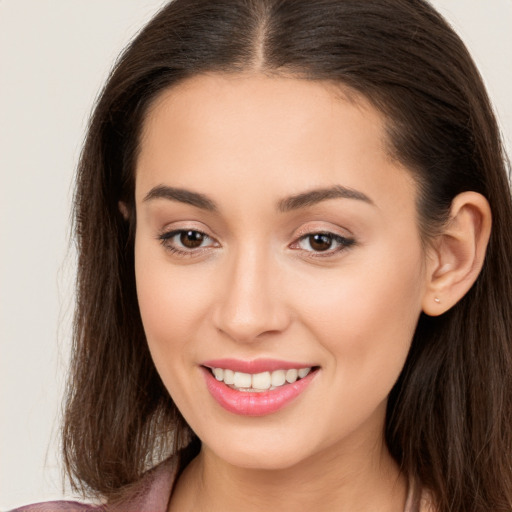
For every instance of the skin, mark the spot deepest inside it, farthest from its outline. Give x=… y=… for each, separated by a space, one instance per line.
x=257 y=289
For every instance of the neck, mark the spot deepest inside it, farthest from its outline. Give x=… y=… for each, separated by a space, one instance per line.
x=354 y=479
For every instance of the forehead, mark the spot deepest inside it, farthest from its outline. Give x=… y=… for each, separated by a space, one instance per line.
x=256 y=102
x=276 y=134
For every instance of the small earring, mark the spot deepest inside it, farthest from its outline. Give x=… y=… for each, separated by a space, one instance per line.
x=437 y=299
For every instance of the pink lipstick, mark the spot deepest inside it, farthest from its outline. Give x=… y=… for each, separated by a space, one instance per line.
x=247 y=401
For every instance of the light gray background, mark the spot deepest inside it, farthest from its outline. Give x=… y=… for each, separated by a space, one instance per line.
x=54 y=57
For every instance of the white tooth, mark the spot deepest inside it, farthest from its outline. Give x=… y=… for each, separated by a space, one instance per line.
x=219 y=373
x=261 y=380
x=303 y=372
x=278 y=378
x=242 y=380
x=229 y=376
x=291 y=375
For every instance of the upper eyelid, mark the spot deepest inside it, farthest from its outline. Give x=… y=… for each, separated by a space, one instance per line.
x=169 y=229
x=309 y=227
x=331 y=229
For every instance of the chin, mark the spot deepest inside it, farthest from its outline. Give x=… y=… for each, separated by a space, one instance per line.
x=270 y=454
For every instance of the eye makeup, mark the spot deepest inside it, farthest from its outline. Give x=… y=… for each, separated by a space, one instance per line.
x=192 y=242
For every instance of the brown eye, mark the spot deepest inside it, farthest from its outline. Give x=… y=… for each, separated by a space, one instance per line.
x=328 y=243
x=192 y=239
x=186 y=241
x=320 y=242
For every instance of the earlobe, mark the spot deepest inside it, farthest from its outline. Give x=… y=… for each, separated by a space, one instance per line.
x=458 y=253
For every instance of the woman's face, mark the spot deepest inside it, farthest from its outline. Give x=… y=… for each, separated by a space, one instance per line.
x=275 y=234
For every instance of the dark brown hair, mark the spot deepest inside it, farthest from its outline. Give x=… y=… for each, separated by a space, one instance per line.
x=449 y=420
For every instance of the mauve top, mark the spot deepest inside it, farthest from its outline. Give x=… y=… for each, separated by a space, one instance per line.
x=150 y=494
x=153 y=492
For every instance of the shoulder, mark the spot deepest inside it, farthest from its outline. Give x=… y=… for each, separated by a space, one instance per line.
x=150 y=494
x=56 y=506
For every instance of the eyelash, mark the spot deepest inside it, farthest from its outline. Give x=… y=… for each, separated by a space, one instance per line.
x=166 y=238
x=343 y=243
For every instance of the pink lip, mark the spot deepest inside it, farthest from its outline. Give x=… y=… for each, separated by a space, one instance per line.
x=252 y=403
x=255 y=366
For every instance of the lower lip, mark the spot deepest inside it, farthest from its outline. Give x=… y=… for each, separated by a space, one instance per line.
x=246 y=403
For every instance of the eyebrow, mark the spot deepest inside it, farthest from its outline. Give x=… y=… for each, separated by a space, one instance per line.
x=315 y=196
x=287 y=204
x=183 y=196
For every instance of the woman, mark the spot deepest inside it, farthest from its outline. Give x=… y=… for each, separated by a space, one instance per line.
x=294 y=286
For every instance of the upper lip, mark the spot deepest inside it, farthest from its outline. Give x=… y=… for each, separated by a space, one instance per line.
x=254 y=366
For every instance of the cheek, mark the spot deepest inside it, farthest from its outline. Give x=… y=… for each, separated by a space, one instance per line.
x=167 y=303
x=365 y=315
x=170 y=305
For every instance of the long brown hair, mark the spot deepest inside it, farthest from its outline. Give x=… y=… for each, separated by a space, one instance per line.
x=449 y=420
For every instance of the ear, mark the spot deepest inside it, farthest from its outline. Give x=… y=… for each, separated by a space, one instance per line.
x=123 y=209
x=457 y=254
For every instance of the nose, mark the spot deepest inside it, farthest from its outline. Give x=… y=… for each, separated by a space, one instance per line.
x=250 y=302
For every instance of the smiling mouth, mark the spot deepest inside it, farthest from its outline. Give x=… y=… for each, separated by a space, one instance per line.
x=271 y=385
x=259 y=382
